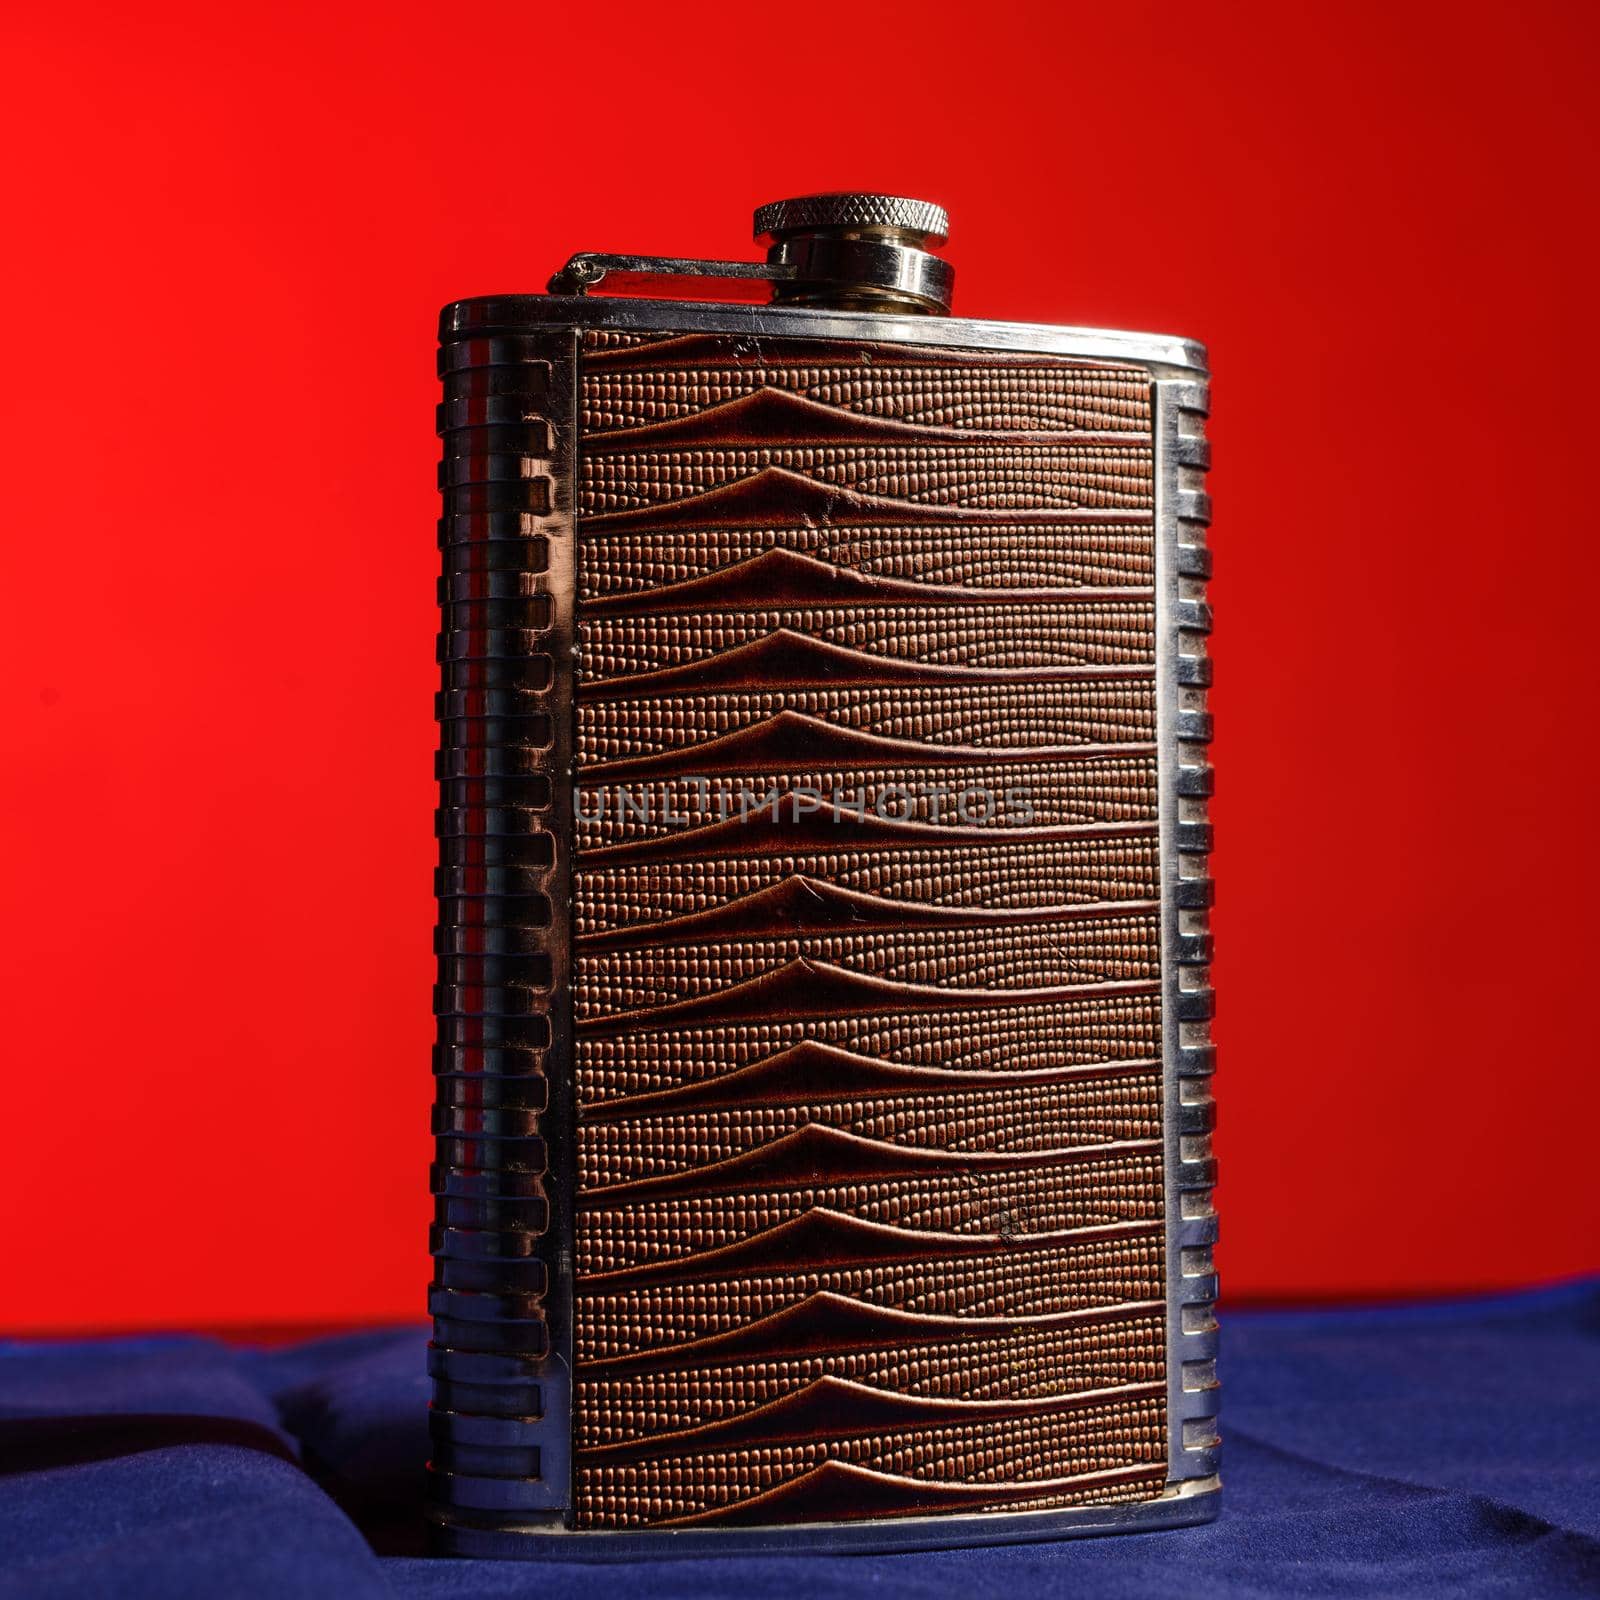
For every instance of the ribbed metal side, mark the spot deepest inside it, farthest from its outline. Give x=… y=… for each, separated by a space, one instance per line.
x=500 y=1296
x=1186 y=782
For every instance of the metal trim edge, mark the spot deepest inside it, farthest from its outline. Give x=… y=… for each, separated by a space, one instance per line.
x=1184 y=1505
x=484 y=315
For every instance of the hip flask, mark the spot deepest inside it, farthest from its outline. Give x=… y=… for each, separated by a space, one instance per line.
x=823 y=1062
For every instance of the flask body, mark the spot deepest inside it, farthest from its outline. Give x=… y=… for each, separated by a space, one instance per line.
x=823 y=1049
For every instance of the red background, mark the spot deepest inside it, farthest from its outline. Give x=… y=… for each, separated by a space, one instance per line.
x=231 y=230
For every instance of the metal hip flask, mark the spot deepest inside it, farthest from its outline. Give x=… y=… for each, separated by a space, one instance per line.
x=823 y=1058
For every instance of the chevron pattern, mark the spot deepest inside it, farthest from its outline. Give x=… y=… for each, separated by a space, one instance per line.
x=869 y=1122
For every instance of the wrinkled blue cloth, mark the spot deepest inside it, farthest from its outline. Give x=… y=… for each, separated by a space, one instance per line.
x=1430 y=1450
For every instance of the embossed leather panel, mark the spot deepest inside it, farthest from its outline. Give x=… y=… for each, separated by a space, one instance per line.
x=869 y=1123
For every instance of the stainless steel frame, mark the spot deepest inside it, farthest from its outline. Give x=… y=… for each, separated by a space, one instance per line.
x=1179 y=377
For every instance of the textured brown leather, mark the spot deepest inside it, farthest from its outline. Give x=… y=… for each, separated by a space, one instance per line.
x=869 y=1122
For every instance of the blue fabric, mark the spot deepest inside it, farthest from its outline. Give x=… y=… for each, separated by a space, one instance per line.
x=1441 y=1450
